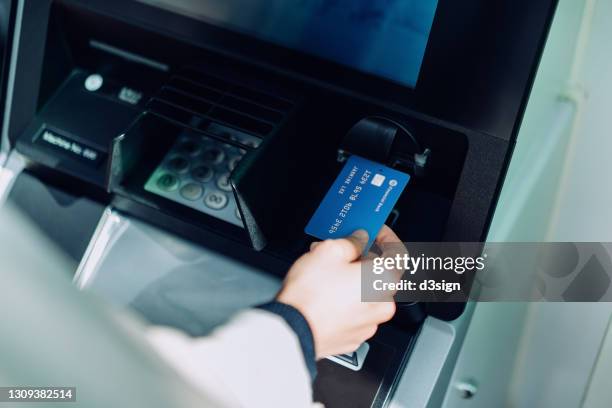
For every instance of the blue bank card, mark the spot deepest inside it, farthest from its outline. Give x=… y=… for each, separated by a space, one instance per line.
x=362 y=197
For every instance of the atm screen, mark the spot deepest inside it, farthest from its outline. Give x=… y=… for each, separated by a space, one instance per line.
x=386 y=38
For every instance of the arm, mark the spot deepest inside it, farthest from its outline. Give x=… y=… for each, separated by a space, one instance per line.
x=254 y=360
x=266 y=356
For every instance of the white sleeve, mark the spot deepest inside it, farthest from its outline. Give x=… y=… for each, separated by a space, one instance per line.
x=254 y=360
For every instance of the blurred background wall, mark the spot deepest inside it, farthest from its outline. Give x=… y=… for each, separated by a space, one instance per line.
x=557 y=189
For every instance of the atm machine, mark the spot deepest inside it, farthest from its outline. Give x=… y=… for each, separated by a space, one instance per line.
x=175 y=149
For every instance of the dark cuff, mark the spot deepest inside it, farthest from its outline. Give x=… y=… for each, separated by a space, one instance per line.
x=300 y=326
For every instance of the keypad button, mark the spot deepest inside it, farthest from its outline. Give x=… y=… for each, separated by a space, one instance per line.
x=231 y=165
x=202 y=173
x=189 y=147
x=192 y=191
x=167 y=182
x=213 y=155
x=216 y=200
x=178 y=164
x=223 y=182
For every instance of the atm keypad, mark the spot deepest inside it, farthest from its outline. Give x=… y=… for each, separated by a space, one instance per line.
x=167 y=182
x=231 y=165
x=213 y=155
x=178 y=164
x=223 y=182
x=216 y=200
x=189 y=148
x=196 y=173
x=202 y=173
x=192 y=191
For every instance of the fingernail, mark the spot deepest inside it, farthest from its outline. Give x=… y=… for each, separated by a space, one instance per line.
x=361 y=235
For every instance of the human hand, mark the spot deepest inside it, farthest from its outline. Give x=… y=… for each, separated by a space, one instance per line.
x=325 y=286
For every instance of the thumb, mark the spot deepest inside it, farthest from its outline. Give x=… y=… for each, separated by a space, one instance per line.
x=345 y=249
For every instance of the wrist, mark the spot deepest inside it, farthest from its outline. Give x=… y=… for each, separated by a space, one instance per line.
x=296 y=320
x=305 y=311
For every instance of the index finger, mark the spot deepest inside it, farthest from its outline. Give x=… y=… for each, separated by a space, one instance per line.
x=391 y=246
x=387 y=235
